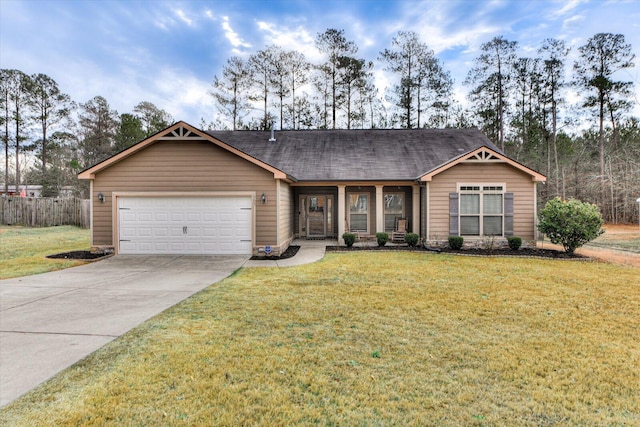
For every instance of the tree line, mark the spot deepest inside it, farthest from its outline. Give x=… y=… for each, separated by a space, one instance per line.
x=41 y=122
x=589 y=149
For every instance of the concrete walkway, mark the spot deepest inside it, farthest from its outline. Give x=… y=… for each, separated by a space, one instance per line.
x=310 y=251
x=50 y=321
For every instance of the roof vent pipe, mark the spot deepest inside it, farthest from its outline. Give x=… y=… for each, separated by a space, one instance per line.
x=273 y=134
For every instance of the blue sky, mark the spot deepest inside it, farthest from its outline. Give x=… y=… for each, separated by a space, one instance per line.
x=168 y=52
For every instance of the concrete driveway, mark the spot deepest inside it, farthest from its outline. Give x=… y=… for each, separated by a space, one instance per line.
x=52 y=320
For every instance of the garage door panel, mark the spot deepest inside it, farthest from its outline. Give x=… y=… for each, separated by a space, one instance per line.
x=191 y=225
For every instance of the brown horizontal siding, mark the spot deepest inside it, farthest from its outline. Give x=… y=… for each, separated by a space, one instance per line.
x=183 y=166
x=286 y=212
x=516 y=181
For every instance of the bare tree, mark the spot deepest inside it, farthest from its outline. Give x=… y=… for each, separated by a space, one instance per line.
x=263 y=69
x=49 y=107
x=554 y=55
x=355 y=73
x=423 y=83
x=602 y=56
x=231 y=90
x=15 y=89
x=490 y=78
x=5 y=119
x=334 y=44
x=298 y=74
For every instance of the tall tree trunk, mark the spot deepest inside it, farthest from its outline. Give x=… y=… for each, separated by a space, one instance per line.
x=293 y=104
x=333 y=99
x=601 y=148
x=554 y=124
x=17 y=150
x=44 y=148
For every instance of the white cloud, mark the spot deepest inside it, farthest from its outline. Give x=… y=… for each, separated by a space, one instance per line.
x=183 y=17
x=572 y=22
x=568 y=7
x=297 y=39
x=233 y=37
x=182 y=95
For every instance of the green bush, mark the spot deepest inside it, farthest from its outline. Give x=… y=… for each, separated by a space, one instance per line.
x=570 y=223
x=514 y=243
x=411 y=239
x=456 y=242
x=382 y=238
x=349 y=239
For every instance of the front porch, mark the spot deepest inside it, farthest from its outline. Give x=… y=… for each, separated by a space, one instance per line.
x=328 y=211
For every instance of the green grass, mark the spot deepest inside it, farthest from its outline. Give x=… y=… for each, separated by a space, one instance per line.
x=23 y=250
x=365 y=339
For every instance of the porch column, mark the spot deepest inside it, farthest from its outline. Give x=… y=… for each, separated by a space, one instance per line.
x=415 y=201
x=342 y=217
x=379 y=209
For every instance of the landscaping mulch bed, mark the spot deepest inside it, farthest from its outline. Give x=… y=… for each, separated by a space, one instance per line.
x=522 y=252
x=291 y=251
x=81 y=255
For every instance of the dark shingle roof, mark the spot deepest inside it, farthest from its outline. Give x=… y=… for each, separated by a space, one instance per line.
x=352 y=155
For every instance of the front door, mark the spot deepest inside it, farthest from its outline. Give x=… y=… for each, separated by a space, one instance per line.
x=315 y=216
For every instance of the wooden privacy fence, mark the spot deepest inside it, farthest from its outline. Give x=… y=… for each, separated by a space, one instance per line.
x=44 y=211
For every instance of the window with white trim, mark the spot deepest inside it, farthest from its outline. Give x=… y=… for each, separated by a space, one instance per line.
x=359 y=212
x=481 y=209
x=393 y=210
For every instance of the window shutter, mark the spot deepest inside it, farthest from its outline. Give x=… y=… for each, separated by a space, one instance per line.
x=453 y=214
x=508 y=214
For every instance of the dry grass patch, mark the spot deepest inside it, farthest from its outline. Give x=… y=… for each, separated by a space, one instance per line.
x=622 y=237
x=23 y=249
x=371 y=339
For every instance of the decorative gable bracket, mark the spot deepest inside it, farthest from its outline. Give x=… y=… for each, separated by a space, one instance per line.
x=180 y=132
x=483 y=156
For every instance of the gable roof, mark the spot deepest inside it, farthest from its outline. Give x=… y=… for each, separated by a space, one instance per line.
x=179 y=130
x=358 y=155
x=340 y=155
x=483 y=154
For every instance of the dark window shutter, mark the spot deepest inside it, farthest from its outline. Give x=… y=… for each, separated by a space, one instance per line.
x=453 y=214
x=508 y=214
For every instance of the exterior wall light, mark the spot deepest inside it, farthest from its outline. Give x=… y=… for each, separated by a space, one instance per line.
x=264 y=198
x=101 y=197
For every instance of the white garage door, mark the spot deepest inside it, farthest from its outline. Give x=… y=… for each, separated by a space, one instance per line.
x=185 y=225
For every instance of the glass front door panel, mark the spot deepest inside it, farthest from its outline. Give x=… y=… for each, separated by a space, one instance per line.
x=316 y=216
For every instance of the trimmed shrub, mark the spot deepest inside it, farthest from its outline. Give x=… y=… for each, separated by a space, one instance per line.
x=411 y=239
x=456 y=242
x=382 y=238
x=349 y=239
x=570 y=223
x=514 y=243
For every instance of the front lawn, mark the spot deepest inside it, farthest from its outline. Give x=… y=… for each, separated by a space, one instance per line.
x=371 y=339
x=23 y=250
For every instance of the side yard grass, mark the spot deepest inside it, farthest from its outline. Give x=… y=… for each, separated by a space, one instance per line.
x=620 y=237
x=371 y=339
x=23 y=250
